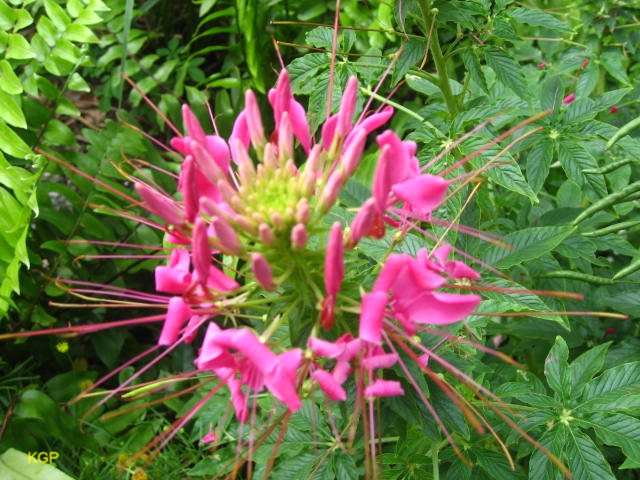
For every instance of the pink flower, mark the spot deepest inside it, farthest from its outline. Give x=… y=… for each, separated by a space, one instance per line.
x=568 y=100
x=232 y=352
x=542 y=65
x=613 y=110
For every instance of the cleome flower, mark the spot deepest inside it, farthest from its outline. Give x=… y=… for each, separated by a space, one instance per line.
x=263 y=267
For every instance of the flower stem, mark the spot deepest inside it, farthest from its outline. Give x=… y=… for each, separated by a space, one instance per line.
x=428 y=15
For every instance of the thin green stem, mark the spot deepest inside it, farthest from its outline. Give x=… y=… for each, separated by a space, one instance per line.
x=429 y=17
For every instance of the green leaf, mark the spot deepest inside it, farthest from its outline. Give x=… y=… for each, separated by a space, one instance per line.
x=320 y=37
x=618 y=429
x=586 y=461
x=10 y=112
x=584 y=367
x=615 y=64
x=574 y=158
x=507 y=71
x=80 y=33
x=16 y=465
x=538 y=162
x=57 y=15
x=411 y=54
x=472 y=65
x=9 y=81
x=19 y=48
x=304 y=70
x=525 y=245
x=537 y=18
x=540 y=467
x=11 y=143
x=557 y=371
x=615 y=388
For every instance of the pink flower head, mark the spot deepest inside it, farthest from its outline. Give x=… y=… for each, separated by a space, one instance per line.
x=568 y=100
x=412 y=285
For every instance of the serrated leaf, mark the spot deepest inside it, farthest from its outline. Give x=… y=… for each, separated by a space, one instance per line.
x=320 y=37
x=586 y=461
x=525 y=245
x=574 y=158
x=538 y=400
x=539 y=160
x=616 y=65
x=557 y=371
x=618 y=429
x=617 y=387
x=496 y=465
x=303 y=72
x=472 y=65
x=540 y=467
x=507 y=71
x=537 y=18
x=411 y=54
x=498 y=302
x=584 y=367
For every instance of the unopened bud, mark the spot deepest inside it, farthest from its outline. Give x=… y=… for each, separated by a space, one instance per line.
x=299 y=236
x=302 y=211
x=227 y=236
x=266 y=234
x=262 y=271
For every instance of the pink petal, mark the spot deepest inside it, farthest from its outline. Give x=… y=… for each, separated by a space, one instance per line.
x=300 y=125
x=353 y=153
x=219 y=281
x=347 y=107
x=385 y=360
x=254 y=122
x=219 y=150
x=174 y=278
x=189 y=189
x=334 y=261
x=423 y=193
x=382 y=178
x=201 y=250
x=192 y=124
x=441 y=308
x=372 y=316
x=383 y=388
x=370 y=123
x=329 y=131
x=329 y=385
x=177 y=314
x=362 y=222
x=240 y=132
x=163 y=206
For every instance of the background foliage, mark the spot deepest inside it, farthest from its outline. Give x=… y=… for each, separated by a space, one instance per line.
x=564 y=198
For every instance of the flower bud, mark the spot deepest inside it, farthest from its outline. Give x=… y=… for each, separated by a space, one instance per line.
x=262 y=271
x=299 y=236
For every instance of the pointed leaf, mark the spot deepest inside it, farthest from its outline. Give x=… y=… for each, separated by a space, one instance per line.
x=10 y=112
x=557 y=371
x=538 y=162
x=526 y=244
x=615 y=388
x=586 y=461
x=586 y=366
x=620 y=430
x=538 y=18
x=507 y=70
x=540 y=467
